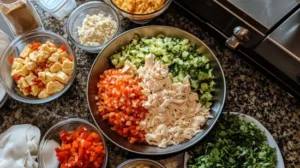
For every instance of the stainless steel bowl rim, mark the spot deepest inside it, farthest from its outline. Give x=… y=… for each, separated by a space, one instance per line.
x=77 y=11
x=147 y=160
x=56 y=95
x=185 y=147
x=80 y=120
x=144 y=14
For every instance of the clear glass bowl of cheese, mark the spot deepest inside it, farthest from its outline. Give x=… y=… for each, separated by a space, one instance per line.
x=92 y=25
x=14 y=81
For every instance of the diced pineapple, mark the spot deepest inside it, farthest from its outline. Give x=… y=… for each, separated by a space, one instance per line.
x=54 y=57
x=29 y=79
x=62 y=77
x=55 y=67
x=42 y=56
x=43 y=94
x=16 y=65
x=45 y=47
x=33 y=56
x=22 y=83
x=25 y=92
x=19 y=60
x=49 y=77
x=42 y=77
x=51 y=46
x=23 y=71
x=34 y=90
x=27 y=59
x=54 y=87
x=26 y=51
x=62 y=54
x=68 y=67
x=30 y=66
x=14 y=72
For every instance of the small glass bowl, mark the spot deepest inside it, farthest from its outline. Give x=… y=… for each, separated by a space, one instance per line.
x=79 y=14
x=138 y=162
x=15 y=48
x=142 y=18
x=53 y=134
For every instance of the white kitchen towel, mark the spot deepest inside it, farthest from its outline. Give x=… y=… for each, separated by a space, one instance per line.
x=18 y=146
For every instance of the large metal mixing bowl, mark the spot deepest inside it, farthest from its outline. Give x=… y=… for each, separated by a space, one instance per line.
x=102 y=63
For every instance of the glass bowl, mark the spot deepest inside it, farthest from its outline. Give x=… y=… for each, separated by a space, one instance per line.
x=142 y=18
x=15 y=48
x=79 y=14
x=138 y=162
x=45 y=150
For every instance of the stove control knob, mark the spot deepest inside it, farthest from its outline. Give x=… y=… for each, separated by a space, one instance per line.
x=240 y=35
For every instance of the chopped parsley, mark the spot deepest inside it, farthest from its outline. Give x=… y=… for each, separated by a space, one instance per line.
x=233 y=143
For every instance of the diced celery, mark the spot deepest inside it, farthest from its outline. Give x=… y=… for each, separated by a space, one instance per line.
x=185 y=54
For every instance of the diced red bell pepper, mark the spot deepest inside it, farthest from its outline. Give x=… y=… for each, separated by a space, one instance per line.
x=35 y=45
x=84 y=135
x=77 y=151
x=87 y=144
x=62 y=156
x=95 y=136
x=11 y=59
x=75 y=144
x=80 y=153
x=63 y=47
x=63 y=135
x=69 y=58
x=17 y=77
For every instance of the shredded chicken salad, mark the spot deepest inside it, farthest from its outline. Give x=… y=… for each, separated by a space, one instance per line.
x=174 y=112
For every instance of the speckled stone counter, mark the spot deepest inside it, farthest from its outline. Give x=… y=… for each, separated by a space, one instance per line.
x=249 y=92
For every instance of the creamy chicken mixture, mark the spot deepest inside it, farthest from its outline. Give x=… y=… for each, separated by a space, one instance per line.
x=174 y=112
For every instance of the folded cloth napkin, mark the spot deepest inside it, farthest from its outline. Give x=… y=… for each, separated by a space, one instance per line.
x=19 y=146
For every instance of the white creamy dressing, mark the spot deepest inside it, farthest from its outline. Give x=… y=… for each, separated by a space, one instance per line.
x=19 y=146
x=174 y=112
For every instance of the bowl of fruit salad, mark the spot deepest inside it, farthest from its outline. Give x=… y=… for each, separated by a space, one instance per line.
x=156 y=90
x=73 y=142
x=37 y=67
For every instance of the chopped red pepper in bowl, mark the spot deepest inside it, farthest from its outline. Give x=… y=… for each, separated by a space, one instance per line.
x=80 y=148
x=79 y=144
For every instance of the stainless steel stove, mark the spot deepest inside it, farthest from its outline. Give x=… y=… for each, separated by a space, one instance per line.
x=265 y=31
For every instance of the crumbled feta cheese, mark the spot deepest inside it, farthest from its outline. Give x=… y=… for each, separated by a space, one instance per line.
x=97 y=29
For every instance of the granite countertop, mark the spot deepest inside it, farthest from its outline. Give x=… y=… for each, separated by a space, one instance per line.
x=249 y=92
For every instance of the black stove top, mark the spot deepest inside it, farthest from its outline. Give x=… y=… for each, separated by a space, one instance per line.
x=247 y=53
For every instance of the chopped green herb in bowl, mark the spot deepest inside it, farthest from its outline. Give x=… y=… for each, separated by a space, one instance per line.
x=233 y=143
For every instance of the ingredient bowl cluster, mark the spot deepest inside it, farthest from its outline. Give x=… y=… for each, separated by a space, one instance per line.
x=154 y=94
x=42 y=69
